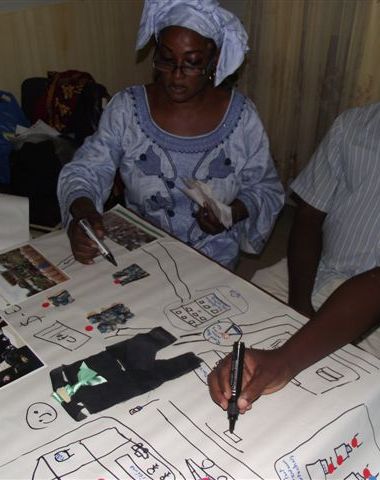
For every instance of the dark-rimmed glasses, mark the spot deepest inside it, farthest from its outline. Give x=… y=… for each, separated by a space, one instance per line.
x=188 y=70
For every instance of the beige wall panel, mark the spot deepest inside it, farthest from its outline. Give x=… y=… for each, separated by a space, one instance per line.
x=97 y=36
x=362 y=83
x=326 y=25
x=309 y=60
x=274 y=71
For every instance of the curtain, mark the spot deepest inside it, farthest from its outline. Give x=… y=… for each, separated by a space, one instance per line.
x=309 y=60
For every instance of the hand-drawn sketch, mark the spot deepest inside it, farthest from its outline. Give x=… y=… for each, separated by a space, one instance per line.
x=107 y=448
x=218 y=303
x=138 y=408
x=39 y=415
x=334 y=371
x=66 y=262
x=332 y=451
x=62 y=335
x=198 y=445
x=24 y=272
x=193 y=310
x=102 y=448
x=223 y=333
x=209 y=359
x=27 y=320
x=174 y=431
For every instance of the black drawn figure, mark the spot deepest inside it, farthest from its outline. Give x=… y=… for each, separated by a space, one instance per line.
x=39 y=415
x=125 y=370
x=336 y=451
x=111 y=318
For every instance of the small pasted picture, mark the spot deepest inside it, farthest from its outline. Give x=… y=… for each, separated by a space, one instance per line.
x=25 y=272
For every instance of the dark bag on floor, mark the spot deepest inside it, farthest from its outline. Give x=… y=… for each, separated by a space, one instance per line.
x=11 y=115
x=35 y=167
x=34 y=174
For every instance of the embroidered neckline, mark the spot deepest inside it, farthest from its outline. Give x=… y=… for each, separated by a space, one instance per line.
x=192 y=144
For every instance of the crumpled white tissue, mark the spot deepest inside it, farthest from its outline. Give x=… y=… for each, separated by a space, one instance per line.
x=202 y=194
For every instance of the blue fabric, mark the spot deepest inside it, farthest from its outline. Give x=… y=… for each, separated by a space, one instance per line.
x=11 y=115
x=343 y=180
x=205 y=17
x=234 y=159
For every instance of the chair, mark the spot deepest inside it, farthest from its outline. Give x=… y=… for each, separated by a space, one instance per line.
x=35 y=167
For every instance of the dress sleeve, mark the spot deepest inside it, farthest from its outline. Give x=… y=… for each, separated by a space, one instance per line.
x=260 y=188
x=318 y=181
x=91 y=172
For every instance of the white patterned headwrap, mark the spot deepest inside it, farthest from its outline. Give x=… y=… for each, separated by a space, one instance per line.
x=205 y=17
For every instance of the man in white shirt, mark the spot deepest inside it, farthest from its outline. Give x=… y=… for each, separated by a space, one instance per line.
x=336 y=232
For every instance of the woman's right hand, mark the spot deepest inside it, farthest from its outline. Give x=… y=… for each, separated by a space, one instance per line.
x=83 y=248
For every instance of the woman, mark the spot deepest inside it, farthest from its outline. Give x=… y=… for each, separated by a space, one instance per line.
x=185 y=125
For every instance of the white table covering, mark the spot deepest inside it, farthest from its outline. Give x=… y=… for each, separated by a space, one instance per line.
x=323 y=425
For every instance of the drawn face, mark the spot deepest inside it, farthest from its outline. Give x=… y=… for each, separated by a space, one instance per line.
x=39 y=415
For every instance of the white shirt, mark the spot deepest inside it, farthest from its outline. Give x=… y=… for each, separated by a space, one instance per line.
x=343 y=180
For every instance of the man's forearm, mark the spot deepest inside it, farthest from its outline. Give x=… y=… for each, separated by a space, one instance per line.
x=348 y=313
x=304 y=252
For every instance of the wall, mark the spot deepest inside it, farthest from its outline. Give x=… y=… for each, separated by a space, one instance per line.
x=97 y=36
x=309 y=61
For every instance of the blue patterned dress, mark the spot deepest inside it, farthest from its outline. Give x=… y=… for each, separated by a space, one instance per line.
x=234 y=159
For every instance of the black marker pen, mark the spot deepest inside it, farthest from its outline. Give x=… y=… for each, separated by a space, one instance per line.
x=236 y=378
x=104 y=251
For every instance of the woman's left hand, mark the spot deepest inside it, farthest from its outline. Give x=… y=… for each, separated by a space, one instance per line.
x=208 y=221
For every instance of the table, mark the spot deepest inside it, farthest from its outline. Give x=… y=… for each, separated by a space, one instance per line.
x=324 y=425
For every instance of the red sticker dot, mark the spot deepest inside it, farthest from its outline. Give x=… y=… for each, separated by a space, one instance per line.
x=46 y=304
x=339 y=459
x=331 y=468
x=354 y=442
x=366 y=473
x=89 y=328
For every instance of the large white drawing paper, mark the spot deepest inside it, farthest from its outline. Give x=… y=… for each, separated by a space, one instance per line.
x=324 y=424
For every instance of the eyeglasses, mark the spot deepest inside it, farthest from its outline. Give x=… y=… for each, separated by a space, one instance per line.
x=188 y=70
